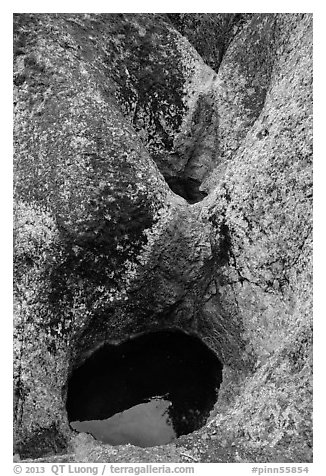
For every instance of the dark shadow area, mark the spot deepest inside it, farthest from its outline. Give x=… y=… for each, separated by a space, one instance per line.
x=187 y=188
x=165 y=374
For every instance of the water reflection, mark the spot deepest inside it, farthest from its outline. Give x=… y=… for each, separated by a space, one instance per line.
x=146 y=424
x=131 y=392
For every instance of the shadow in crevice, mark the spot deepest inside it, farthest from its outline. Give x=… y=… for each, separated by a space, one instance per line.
x=145 y=391
x=186 y=188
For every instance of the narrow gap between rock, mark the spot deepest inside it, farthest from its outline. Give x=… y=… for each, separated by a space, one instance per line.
x=186 y=188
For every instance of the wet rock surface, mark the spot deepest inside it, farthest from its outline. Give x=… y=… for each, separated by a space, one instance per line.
x=152 y=191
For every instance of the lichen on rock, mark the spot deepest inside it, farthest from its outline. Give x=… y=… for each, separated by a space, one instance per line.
x=158 y=186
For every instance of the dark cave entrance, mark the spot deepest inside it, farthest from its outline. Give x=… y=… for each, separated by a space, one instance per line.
x=187 y=188
x=145 y=391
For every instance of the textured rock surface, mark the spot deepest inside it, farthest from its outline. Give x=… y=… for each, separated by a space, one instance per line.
x=106 y=107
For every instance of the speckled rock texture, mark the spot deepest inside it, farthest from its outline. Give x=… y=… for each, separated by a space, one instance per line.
x=165 y=180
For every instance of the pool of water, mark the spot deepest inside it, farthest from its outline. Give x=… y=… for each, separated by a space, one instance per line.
x=146 y=391
x=145 y=424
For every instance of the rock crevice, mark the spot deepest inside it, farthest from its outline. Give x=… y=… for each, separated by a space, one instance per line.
x=160 y=187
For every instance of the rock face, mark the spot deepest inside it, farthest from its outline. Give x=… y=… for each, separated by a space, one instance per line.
x=153 y=191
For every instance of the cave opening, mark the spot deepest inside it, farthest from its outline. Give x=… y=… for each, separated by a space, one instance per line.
x=146 y=391
x=187 y=188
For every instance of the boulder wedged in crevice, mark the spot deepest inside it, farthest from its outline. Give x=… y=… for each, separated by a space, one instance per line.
x=105 y=250
x=92 y=210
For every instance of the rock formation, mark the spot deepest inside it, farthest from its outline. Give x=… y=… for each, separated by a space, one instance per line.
x=160 y=183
